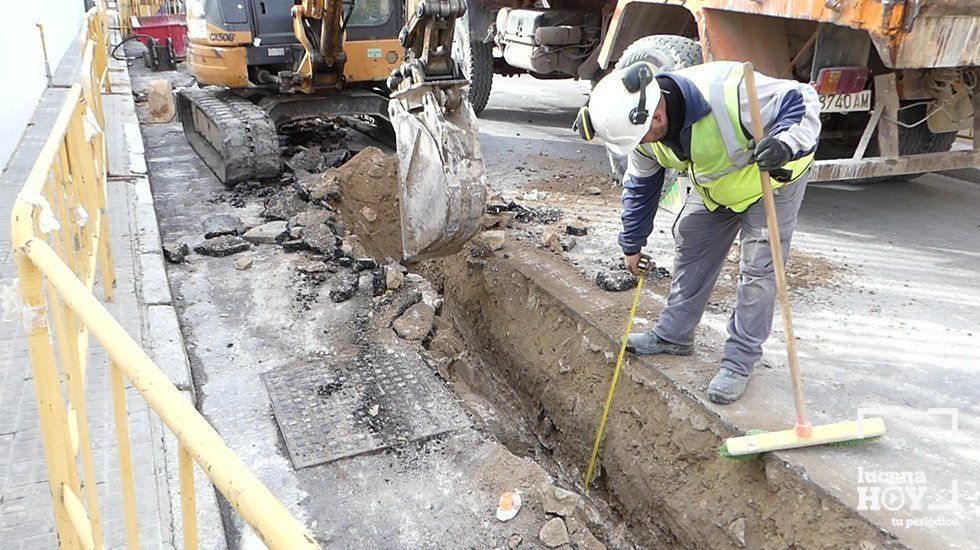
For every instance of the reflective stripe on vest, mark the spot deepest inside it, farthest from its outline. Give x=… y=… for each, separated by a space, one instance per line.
x=720 y=155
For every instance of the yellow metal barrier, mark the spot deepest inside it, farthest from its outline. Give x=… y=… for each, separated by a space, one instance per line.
x=60 y=237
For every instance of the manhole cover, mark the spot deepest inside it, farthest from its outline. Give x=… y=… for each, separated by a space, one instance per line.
x=328 y=411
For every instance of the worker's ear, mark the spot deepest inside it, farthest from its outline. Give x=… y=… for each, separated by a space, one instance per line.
x=583 y=124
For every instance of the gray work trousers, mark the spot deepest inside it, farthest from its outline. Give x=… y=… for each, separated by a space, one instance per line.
x=703 y=239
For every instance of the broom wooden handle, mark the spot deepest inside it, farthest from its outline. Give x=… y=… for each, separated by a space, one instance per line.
x=772 y=223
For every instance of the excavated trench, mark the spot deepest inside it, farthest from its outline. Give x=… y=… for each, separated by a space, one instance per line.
x=529 y=344
x=527 y=333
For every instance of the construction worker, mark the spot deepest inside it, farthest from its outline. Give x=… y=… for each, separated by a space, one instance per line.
x=696 y=120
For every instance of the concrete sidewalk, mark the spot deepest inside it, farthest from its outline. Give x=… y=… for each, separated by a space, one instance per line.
x=143 y=307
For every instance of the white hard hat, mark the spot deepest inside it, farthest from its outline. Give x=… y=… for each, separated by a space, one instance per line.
x=620 y=107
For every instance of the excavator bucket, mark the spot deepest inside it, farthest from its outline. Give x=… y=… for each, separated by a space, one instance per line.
x=442 y=181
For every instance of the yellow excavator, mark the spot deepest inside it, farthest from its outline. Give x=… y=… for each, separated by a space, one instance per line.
x=264 y=63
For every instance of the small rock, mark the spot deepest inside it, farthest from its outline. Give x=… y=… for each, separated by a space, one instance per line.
x=320 y=238
x=176 y=252
x=345 y=289
x=577 y=229
x=593 y=190
x=267 y=233
x=556 y=500
x=283 y=206
x=615 y=281
x=373 y=410
x=241 y=264
x=293 y=245
x=333 y=159
x=567 y=242
x=369 y=214
x=365 y=282
x=514 y=541
x=554 y=533
x=224 y=245
x=493 y=239
x=573 y=525
x=736 y=530
x=491 y=221
x=550 y=239
x=160 y=94
x=326 y=189
x=394 y=275
x=378 y=286
x=583 y=539
x=416 y=323
x=361 y=264
x=311 y=217
x=222 y=224
x=311 y=267
x=309 y=159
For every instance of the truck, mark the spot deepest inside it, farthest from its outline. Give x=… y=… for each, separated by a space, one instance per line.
x=897 y=79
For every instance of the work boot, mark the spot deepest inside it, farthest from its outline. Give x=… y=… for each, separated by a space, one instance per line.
x=648 y=343
x=727 y=386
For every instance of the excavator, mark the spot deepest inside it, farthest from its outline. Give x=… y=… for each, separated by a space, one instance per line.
x=264 y=63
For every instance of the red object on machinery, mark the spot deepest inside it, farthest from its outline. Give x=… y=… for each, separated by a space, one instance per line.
x=162 y=27
x=841 y=80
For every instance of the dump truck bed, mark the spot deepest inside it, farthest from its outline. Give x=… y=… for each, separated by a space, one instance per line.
x=908 y=34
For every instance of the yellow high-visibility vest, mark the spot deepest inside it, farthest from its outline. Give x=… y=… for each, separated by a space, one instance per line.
x=719 y=166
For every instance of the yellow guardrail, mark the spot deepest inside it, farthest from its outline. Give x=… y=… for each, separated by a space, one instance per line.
x=60 y=236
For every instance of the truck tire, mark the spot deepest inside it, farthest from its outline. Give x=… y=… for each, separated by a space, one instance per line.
x=476 y=60
x=916 y=140
x=665 y=52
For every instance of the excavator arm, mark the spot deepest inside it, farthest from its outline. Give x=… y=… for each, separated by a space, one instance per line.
x=442 y=193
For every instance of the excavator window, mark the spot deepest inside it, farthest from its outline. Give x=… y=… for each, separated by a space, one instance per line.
x=370 y=13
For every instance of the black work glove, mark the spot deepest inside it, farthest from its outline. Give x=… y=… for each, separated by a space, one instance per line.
x=771 y=153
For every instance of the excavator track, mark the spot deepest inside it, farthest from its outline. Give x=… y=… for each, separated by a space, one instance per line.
x=235 y=138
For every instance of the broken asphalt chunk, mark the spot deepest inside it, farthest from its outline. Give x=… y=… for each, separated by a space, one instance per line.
x=225 y=245
x=615 y=281
x=283 y=205
x=320 y=238
x=576 y=228
x=345 y=288
x=267 y=233
x=176 y=252
x=309 y=159
x=222 y=224
x=311 y=217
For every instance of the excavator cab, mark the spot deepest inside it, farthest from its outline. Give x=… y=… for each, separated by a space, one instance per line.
x=269 y=62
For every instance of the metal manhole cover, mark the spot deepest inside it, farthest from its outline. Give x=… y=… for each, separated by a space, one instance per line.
x=324 y=410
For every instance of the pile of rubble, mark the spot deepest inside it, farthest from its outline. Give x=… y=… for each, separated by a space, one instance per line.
x=300 y=215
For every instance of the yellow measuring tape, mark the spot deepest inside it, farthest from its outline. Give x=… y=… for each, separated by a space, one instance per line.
x=644 y=264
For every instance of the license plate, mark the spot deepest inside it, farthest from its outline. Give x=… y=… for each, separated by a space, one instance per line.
x=845 y=103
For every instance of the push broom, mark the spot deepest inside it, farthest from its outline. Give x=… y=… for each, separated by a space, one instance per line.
x=803 y=434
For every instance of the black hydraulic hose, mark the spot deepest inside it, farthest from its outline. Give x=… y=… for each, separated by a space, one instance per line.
x=135 y=36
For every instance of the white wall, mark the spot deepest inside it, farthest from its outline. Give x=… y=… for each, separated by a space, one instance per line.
x=21 y=61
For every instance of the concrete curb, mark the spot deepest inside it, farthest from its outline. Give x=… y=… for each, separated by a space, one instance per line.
x=161 y=335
